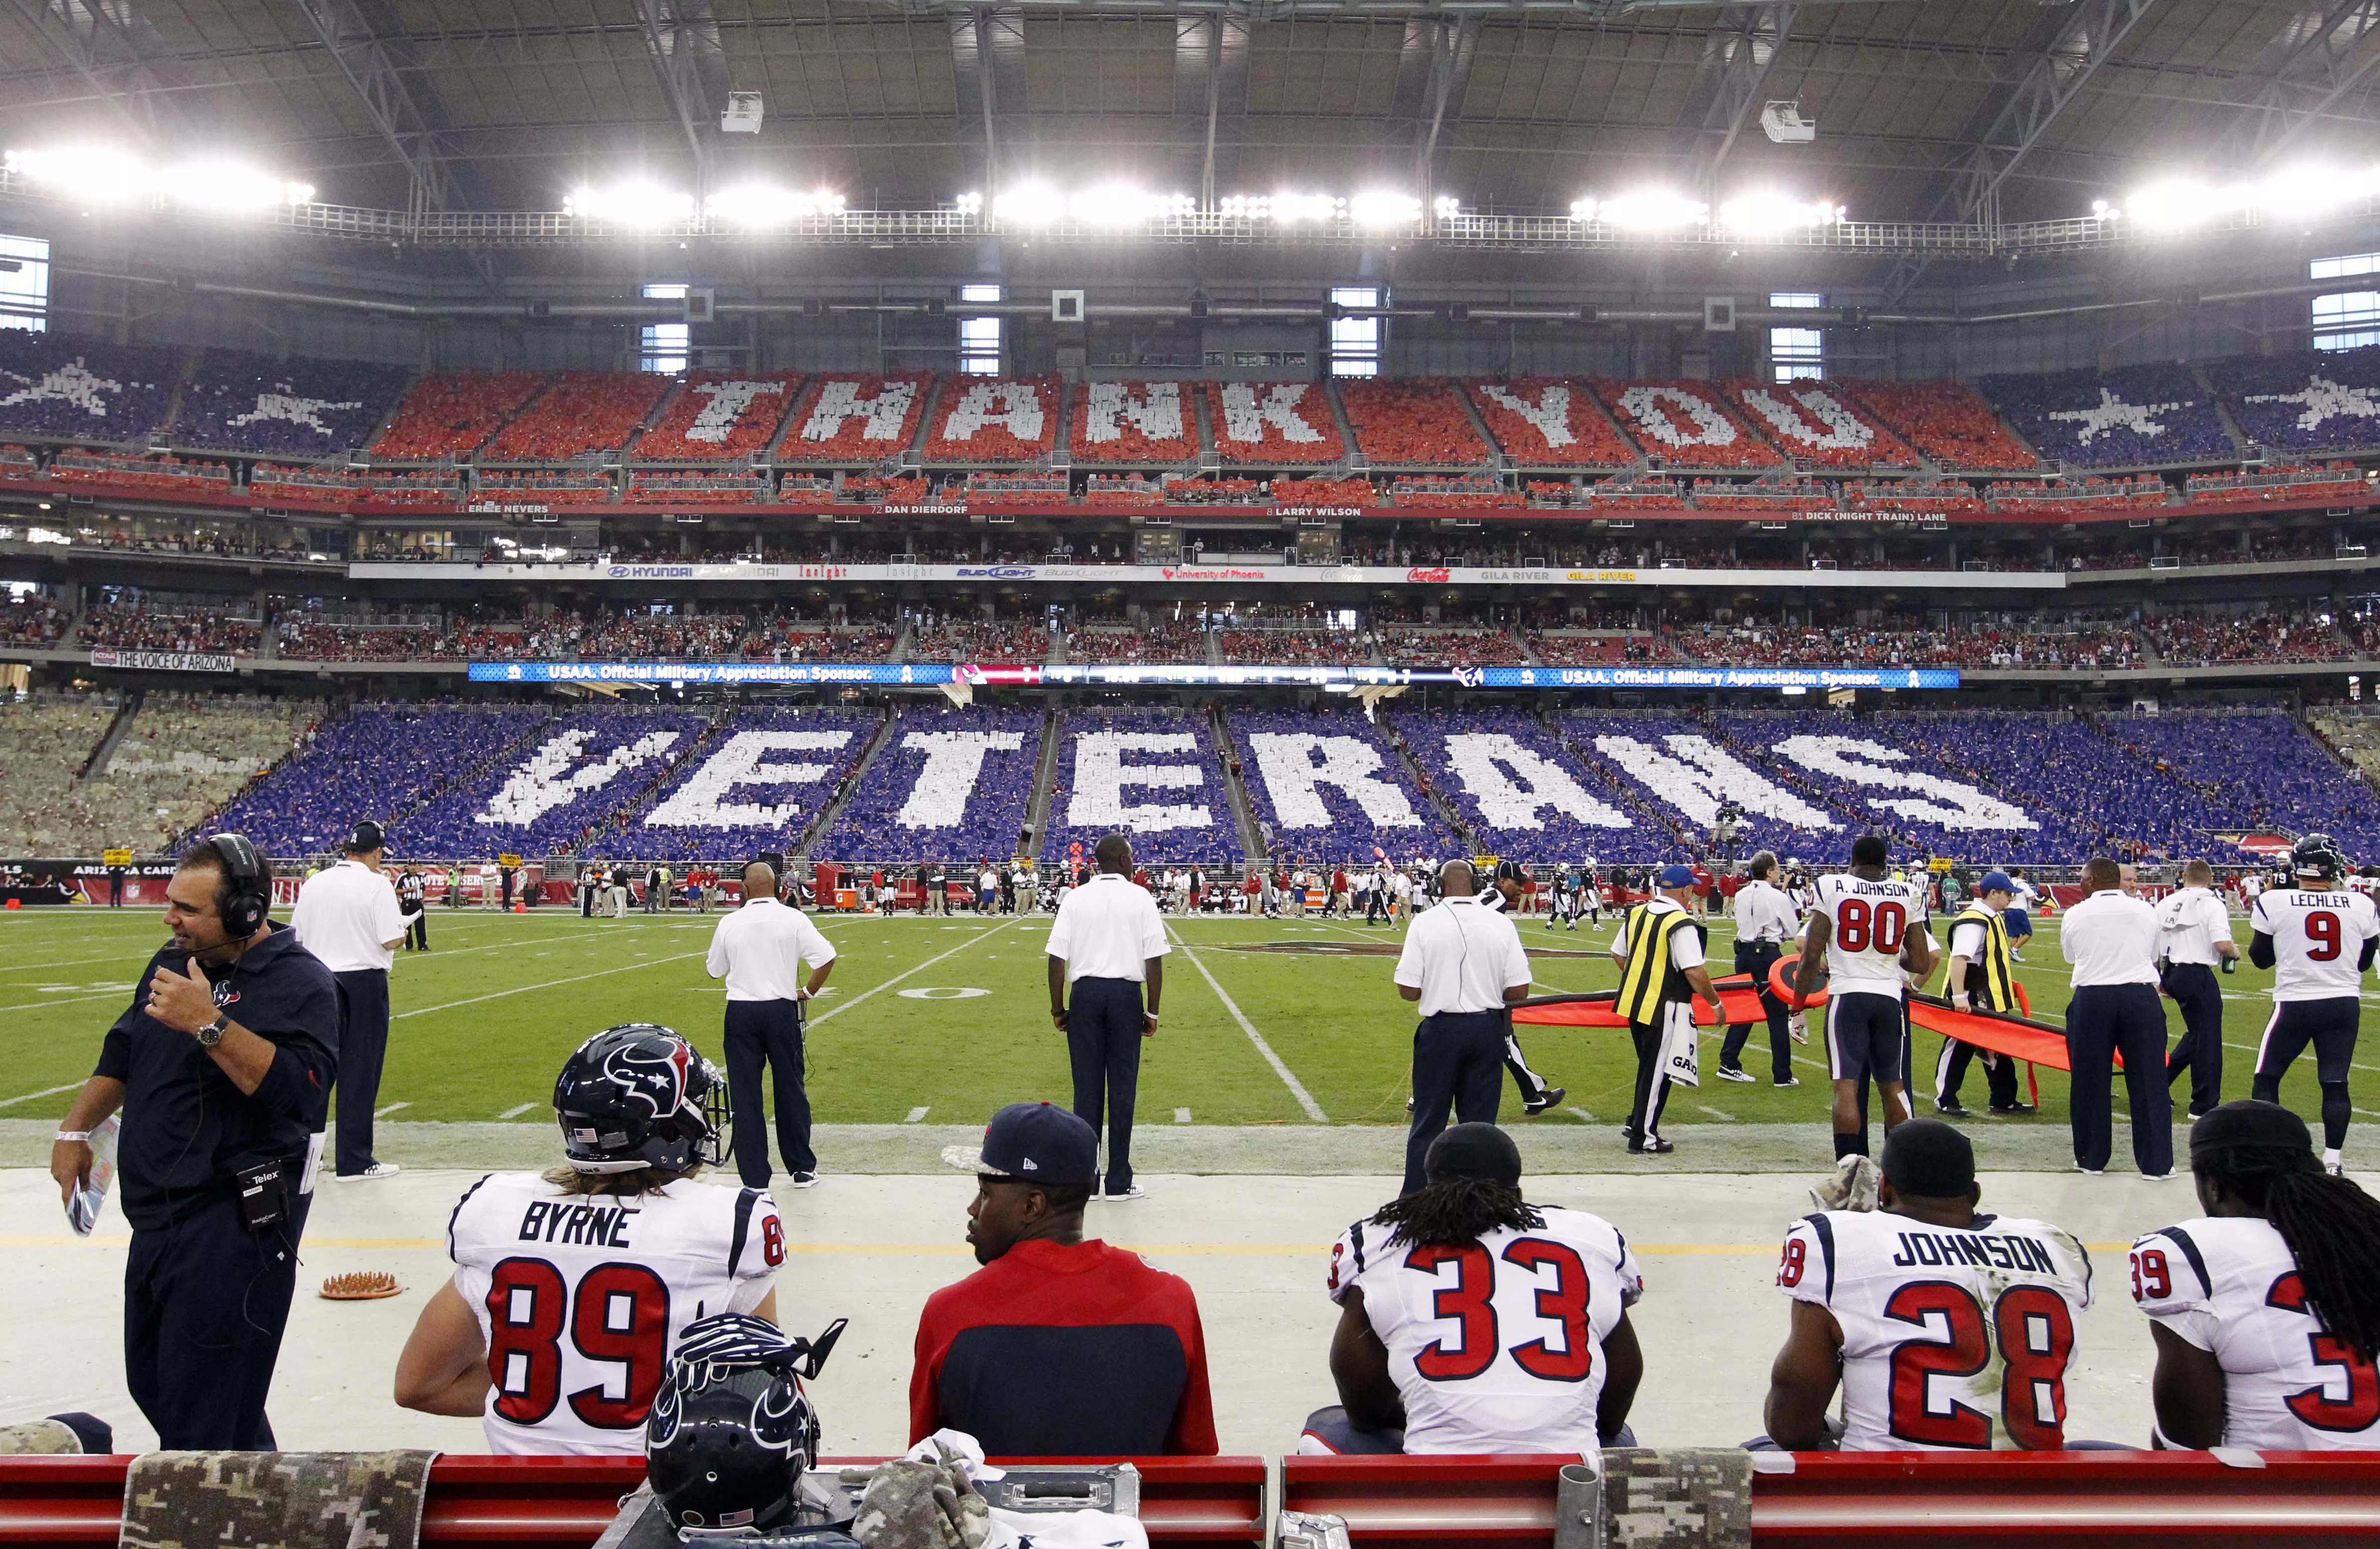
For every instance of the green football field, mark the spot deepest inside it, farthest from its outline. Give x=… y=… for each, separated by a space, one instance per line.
x=942 y=1021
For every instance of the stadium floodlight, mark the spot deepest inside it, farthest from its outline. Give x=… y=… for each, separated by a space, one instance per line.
x=230 y=186
x=1288 y=208
x=629 y=204
x=760 y=205
x=1651 y=209
x=2301 y=192
x=1445 y=207
x=1378 y=208
x=969 y=204
x=1582 y=209
x=98 y=175
x=1032 y=205
x=1773 y=212
x=1118 y=206
x=2102 y=210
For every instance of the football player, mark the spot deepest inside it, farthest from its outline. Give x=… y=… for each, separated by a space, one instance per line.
x=1472 y=1321
x=2318 y=938
x=1868 y=931
x=2267 y=1310
x=571 y=1286
x=1949 y=1330
x=1537 y=1094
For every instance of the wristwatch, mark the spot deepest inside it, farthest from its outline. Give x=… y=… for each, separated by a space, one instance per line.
x=213 y=1033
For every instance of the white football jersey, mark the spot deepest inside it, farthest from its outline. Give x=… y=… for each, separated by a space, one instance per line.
x=1953 y=1339
x=2229 y=1286
x=1497 y=1346
x=1870 y=920
x=2318 y=936
x=581 y=1297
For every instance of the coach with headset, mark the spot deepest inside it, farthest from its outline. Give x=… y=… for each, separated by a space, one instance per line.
x=222 y=1067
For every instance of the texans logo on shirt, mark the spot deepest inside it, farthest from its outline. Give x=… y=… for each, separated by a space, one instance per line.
x=225 y=995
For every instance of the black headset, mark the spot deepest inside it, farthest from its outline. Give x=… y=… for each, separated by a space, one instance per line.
x=248 y=899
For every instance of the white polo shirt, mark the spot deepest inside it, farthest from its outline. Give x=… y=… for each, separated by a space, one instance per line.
x=2111 y=939
x=1108 y=928
x=1462 y=956
x=1762 y=913
x=2194 y=920
x=759 y=949
x=345 y=914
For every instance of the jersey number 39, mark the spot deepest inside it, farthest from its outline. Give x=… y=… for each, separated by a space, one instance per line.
x=620 y=1314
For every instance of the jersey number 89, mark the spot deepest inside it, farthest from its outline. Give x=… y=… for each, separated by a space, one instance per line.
x=622 y=1314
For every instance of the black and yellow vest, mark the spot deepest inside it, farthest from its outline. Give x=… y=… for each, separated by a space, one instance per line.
x=1650 y=977
x=1989 y=985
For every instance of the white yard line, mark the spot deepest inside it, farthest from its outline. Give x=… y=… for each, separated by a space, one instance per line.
x=1289 y=1079
x=1715 y=1113
x=549 y=984
x=896 y=978
x=1582 y=1113
x=517 y=1111
x=71 y=962
x=917 y=1116
x=45 y=1092
x=123 y=994
x=384 y=1113
x=1182 y=1115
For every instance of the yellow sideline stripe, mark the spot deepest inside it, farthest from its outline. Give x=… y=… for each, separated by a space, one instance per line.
x=957 y=1249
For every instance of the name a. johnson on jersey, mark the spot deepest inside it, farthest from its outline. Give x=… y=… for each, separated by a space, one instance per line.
x=592 y=1226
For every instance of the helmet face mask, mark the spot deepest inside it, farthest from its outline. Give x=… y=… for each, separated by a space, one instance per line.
x=731 y=1430
x=637 y=1096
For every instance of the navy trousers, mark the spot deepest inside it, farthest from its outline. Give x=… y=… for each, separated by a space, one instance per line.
x=2200 y=1052
x=1458 y=1066
x=1757 y=958
x=767 y=1035
x=205 y=1300
x=1104 y=1018
x=363 y=1046
x=2102 y=1021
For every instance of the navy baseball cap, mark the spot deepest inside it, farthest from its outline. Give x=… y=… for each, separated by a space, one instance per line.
x=1996 y=882
x=1677 y=877
x=1035 y=1143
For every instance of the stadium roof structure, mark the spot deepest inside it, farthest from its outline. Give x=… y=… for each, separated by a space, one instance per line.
x=1979 y=112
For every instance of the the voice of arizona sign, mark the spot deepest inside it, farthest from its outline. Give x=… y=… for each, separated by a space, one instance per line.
x=164 y=661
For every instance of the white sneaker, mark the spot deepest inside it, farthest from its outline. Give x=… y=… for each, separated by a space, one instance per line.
x=1135 y=1193
x=378 y=1169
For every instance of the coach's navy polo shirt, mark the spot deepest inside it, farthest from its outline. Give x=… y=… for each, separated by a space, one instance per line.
x=187 y=1128
x=1065 y=1350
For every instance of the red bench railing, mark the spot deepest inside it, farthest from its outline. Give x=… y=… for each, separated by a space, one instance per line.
x=502 y=1503
x=2176 y=1500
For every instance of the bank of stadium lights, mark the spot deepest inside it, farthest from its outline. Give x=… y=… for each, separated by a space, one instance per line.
x=759 y=206
x=100 y=175
x=1109 y=205
x=1750 y=215
x=628 y=204
x=2292 y=194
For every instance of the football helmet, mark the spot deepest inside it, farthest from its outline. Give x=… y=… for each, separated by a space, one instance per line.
x=731 y=1430
x=637 y=1096
x=2318 y=855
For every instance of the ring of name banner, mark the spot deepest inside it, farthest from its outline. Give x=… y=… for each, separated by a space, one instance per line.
x=1346 y=679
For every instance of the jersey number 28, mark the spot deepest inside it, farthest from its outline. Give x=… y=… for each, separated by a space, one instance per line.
x=2034 y=1331
x=1471 y=1302
x=621 y=1314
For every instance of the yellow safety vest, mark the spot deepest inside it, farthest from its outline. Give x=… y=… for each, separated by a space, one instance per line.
x=1650 y=976
x=1998 y=989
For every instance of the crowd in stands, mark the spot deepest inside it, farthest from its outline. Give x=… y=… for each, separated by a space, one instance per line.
x=854 y=418
x=2068 y=497
x=1685 y=422
x=1508 y=776
x=1117 y=492
x=2283 y=481
x=1327 y=783
x=754 y=786
x=1153 y=775
x=578 y=413
x=45 y=743
x=718 y=415
x=949 y=784
x=664 y=637
x=1569 y=649
x=1457 y=492
x=1946 y=495
x=1547 y=422
x=989 y=419
x=56 y=385
x=953 y=640
x=1133 y=422
x=2196 y=640
x=2137 y=414
x=1817 y=423
x=2263 y=767
x=1159 y=643
x=2304 y=402
x=1291 y=645
x=1947 y=421
x=1449 y=646
x=693 y=487
x=2353 y=735
x=302 y=639
x=181 y=759
x=454 y=412
x=542 y=486
x=246 y=403
x=1411 y=423
x=382 y=762
x=1325 y=493
x=282 y=483
x=162 y=473
x=555 y=791
x=139 y=627
x=1273 y=422
x=790 y=638
x=32 y=621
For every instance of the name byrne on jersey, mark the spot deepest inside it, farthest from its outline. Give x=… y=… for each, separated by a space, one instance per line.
x=591 y=1226
x=1973 y=1248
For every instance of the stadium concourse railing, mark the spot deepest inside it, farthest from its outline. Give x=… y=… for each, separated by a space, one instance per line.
x=2175 y=1500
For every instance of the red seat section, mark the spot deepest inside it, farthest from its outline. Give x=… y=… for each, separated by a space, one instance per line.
x=1820 y=423
x=1133 y=422
x=995 y=419
x=582 y=412
x=1945 y=420
x=452 y=413
x=1413 y=424
x=1686 y=422
x=720 y=415
x=1544 y=421
x=849 y=418
x=1273 y=422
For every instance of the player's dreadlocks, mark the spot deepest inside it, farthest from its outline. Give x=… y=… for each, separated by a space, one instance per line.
x=2331 y=1226
x=1455 y=1211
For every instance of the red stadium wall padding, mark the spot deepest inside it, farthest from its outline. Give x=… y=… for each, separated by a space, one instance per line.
x=563 y=1502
